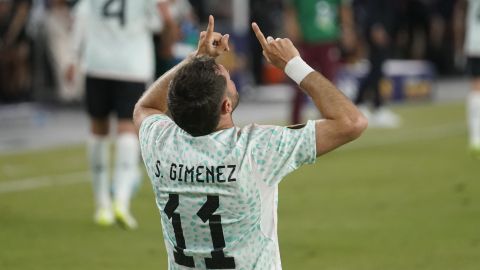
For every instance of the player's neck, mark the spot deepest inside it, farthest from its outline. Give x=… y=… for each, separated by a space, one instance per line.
x=225 y=122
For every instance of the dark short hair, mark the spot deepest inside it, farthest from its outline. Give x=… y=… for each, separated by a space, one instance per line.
x=195 y=96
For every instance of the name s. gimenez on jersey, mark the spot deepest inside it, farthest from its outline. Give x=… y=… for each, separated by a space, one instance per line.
x=199 y=174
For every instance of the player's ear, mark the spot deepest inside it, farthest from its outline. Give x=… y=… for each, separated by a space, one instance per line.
x=227 y=106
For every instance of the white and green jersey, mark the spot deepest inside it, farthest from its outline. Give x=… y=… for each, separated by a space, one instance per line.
x=472 y=42
x=217 y=194
x=116 y=36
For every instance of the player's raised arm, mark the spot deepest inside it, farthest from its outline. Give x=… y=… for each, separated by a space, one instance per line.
x=154 y=101
x=342 y=122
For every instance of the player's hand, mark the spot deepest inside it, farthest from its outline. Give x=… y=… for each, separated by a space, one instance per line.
x=212 y=43
x=277 y=51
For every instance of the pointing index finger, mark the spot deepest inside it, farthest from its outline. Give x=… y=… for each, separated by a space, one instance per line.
x=259 y=35
x=211 y=25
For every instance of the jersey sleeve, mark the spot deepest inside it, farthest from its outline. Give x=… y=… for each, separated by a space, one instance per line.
x=277 y=151
x=152 y=128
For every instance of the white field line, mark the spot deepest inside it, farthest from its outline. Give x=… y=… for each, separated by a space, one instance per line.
x=43 y=181
x=424 y=133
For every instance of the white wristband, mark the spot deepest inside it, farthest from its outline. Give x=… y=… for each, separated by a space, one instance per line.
x=297 y=69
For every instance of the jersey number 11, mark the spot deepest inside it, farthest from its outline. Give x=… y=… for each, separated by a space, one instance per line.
x=218 y=260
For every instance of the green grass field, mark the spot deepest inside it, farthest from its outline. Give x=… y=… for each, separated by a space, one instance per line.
x=395 y=199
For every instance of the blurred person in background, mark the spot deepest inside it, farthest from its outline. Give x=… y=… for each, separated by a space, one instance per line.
x=266 y=13
x=58 y=24
x=318 y=26
x=425 y=32
x=178 y=37
x=380 y=25
x=440 y=47
x=199 y=9
x=118 y=55
x=415 y=20
x=15 y=51
x=467 y=26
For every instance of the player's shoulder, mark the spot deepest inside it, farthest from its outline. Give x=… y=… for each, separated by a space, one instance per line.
x=259 y=130
x=258 y=135
x=155 y=123
x=159 y=118
x=256 y=129
x=255 y=133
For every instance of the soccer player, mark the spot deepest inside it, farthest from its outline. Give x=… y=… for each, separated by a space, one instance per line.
x=216 y=184
x=118 y=55
x=318 y=26
x=472 y=50
x=380 y=27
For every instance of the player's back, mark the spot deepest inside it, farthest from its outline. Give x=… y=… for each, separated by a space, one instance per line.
x=118 y=37
x=210 y=203
x=217 y=194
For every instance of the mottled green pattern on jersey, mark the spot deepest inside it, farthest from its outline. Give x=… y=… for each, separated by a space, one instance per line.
x=318 y=19
x=240 y=167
